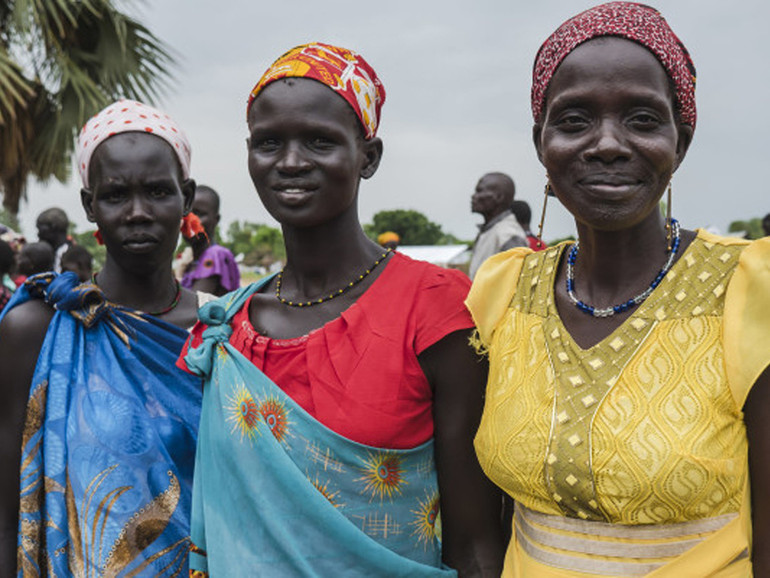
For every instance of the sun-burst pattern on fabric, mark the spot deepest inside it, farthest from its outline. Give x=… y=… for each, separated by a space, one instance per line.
x=276 y=416
x=243 y=414
x=333 y=496
x=425 y=517
x=383 y=475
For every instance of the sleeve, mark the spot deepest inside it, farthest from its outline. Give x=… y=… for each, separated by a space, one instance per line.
x=746 y=327
x=493 y=288
x=439 y=307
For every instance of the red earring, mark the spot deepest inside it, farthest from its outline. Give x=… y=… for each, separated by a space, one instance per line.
x=192 y=227
x=98 y=237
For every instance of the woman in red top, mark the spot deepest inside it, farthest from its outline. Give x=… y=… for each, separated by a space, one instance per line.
x=371 y=344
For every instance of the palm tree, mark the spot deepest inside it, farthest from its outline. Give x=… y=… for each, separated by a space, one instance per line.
x=61 y=61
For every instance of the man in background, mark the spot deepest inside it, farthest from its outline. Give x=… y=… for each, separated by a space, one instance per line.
x=523 y=214
x=500 y=230
x=52 y=228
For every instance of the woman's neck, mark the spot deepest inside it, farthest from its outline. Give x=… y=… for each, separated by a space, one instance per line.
x=327 y=256
x=149 y=291
x=611 y=265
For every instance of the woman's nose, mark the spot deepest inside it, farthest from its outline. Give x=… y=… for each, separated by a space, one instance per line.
x=138 y=208
x=609 y=143
x=293 y=159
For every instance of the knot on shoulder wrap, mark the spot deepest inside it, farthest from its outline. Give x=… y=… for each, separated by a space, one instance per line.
x=84 y=301
x=201 y=359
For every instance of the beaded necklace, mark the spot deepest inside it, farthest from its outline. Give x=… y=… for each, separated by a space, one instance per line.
x=332 y=295
x=634 y=301
x=174 y=303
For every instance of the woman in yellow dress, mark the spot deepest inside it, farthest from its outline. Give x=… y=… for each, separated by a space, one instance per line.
x=625 y=408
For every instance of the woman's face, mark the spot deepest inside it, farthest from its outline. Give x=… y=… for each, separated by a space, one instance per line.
x=609 y=137
x=306 y=152
x=137 y=197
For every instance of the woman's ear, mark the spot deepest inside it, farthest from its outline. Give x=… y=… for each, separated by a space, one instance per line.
x=683 y=142
x=537 y=131
x=87 y=200
x=372 y=149
x=188 y=193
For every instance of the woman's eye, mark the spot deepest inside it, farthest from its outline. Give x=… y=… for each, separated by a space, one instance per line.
x=321 y=142
x=572 y=122
x=644 y=121
x=112 y=196
x=265 y=144
x=159 y=193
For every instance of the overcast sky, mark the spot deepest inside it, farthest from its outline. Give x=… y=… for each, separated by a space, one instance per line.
x=457 y=76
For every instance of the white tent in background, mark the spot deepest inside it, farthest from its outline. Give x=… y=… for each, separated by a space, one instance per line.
x=443 y=255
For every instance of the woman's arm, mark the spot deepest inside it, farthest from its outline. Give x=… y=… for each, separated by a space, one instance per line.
x=21 y=336
x=757 y=417
x=471 y=506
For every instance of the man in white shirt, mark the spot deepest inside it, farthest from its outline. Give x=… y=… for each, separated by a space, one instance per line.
x=500 y=230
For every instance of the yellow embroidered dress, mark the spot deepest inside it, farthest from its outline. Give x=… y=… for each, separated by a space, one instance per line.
x=628 y=458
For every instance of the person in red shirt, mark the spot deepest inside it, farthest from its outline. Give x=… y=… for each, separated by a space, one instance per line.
x=367 y=345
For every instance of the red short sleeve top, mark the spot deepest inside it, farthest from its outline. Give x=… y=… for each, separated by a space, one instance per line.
x=359 y=374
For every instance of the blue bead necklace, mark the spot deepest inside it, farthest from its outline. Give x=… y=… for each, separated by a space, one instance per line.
x=634 y=301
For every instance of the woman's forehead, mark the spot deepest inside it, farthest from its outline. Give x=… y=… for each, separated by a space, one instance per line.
x=610 y=60
x=135 y=154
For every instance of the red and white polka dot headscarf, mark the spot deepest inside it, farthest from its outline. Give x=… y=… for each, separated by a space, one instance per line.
x=344 y=71
x=629 y=20
x=130 y=116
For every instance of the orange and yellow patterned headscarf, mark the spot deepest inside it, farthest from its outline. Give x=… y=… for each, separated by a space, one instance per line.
x=342 y=70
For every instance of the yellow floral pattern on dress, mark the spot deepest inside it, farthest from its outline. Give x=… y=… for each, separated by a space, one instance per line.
x=639 y=429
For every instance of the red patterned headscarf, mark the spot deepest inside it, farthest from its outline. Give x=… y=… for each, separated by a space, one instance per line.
x=629 y=20
x=342 y=70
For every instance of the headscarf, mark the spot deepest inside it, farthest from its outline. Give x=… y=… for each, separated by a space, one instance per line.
x=342 y=70
x=636 y=22
x=130 y=116
x=388 y=237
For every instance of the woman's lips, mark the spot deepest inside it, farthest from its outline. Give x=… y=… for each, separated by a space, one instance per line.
x=294 y=196
x=140 y=243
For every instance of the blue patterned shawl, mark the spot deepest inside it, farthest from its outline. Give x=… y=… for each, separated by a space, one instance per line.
x=277 y=494
x=108 y=443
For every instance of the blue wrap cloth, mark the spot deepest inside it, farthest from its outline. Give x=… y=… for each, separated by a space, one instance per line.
x=109 y=440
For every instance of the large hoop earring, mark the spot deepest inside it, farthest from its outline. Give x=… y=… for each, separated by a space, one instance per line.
x=668 y=217
x=546 y=193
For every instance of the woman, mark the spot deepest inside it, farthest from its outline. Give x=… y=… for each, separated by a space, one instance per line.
x=103 y=425
x=625 y=408
x=354 y=358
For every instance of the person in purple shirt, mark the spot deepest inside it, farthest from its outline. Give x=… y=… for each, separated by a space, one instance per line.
x=213 y=269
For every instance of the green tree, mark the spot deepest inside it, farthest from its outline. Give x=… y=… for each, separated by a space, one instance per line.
x=259 y=244
x=752 y=228
x=413 y=227
x=61 y=61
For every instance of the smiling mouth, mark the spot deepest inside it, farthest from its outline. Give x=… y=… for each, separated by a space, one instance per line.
x=294 y=195
x=610 y=184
